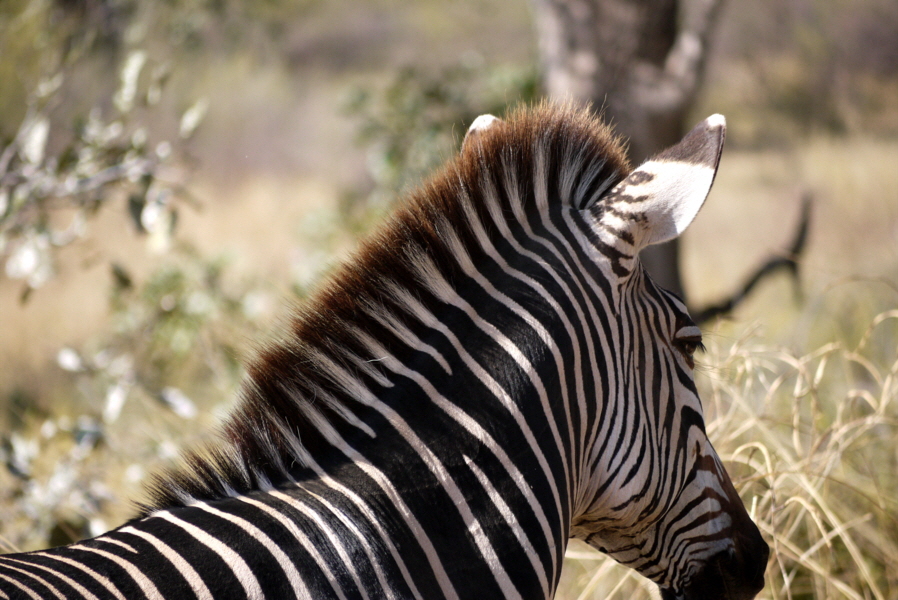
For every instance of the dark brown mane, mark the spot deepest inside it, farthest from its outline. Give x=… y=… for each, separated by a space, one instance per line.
x=292 y=394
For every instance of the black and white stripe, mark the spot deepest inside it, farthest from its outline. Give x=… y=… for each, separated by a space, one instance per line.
x=491 y=374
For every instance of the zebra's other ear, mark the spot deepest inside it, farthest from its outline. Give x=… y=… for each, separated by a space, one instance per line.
x=480 y=124
x=658 y=200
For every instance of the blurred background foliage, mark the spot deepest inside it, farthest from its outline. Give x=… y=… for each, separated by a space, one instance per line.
x=174 y=174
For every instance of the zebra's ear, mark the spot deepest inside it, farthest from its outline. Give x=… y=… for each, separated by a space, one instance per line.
x=657 y=201
x=480 y=124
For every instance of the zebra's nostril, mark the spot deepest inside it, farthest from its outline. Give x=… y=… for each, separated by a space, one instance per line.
x=734 y=574
x=669 y=595
x=753 y=552
x=757 y=562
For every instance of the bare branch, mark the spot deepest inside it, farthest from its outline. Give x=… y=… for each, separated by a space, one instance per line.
x=788 y=261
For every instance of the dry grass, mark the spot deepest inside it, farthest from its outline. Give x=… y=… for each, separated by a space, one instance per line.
x=814 y=438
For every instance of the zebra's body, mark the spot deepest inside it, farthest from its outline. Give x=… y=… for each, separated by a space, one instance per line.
x=491 y=374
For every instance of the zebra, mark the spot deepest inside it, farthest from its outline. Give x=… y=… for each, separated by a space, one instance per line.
x=491 y=373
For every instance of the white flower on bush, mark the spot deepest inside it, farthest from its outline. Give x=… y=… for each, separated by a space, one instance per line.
x=34 y=140
x=192 y=117
x=31 y=261
x=116 y=395
x=158 y=219
x=124 y=98
x=69 y=360
x=199 y=303
x=180 y=404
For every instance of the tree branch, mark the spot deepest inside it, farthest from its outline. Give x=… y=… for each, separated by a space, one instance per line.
x=789 y=262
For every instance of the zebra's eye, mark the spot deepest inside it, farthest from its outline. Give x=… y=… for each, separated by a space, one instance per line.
x=687 y=340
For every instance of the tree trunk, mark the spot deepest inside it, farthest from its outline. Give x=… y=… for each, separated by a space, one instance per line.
x=641 y=62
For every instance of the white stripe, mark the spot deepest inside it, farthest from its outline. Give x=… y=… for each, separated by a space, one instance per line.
x=476 y=430
x=512 y=521
x=145 y=585
x=120 y=543
x=304 y=405
x=398 y=503
x=43 y=581
x=186 y=570
x=77 y=586
x=103 y=581
x=238 y=566
x=448 y=294
x=260 y=536
x=511 y=188
x=511 y=184
x=436 y=566
x=335 y=542
x=21 y=587
x=362 y=538
x=427 y=318
x=319 y=422
x=301 y=537
x=486 y=243
x=407 y=336
x=572 y=162
x=572 y=264
x=81 y=589
x=606 y=355
x=436 y=467
x=592 y=323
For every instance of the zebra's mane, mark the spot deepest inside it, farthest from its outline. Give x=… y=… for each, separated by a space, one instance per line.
x=297 y=388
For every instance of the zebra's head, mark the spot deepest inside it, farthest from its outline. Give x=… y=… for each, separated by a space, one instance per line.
x=654 y=494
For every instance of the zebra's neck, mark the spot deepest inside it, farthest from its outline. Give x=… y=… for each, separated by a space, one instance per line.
x=425 y=427
x=436 y=458
x=452 y=366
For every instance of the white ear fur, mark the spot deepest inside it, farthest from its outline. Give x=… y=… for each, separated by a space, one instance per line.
x=658 y=200
x=480 y=124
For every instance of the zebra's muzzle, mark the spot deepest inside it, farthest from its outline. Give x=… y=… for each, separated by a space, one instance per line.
x=735 y=574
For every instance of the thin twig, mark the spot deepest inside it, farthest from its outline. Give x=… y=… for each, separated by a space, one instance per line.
x=789 y=262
